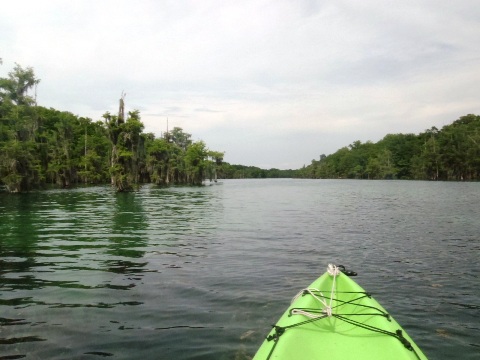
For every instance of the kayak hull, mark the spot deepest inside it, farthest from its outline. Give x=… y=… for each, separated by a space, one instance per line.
x=357 y=327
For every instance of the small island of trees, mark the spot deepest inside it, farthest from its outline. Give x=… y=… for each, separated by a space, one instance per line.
x=40 y=146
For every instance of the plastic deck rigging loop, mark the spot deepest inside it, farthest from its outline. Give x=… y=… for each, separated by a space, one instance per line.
x=346 y=272
x=278 y=332
x=404 y=341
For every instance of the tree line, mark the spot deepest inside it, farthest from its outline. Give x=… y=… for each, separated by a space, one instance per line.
x=229 y=171
x=41 y=146
x=451 y=153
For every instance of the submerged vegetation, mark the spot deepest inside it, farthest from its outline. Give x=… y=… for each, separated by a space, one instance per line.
x=40 y=146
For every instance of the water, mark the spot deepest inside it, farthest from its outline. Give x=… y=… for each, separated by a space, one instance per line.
x=202 y=273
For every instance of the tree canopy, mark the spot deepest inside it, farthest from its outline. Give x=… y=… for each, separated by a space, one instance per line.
x=451 y=153
x=41 y=146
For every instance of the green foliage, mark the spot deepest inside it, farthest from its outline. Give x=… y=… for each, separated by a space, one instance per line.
x=16 y=86
x=228 y=171
x=127 y=145
x=179 y=138
x=157 y=161
x=40 y=146
x=195 y=162
x=452 y=153
x=19 y=169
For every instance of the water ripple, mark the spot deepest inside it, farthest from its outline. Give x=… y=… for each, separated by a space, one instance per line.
x=202 y=272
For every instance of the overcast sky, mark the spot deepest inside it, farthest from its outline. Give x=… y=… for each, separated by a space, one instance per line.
x=271 y=83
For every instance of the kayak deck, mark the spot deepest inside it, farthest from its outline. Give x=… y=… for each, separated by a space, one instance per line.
x=334 y=318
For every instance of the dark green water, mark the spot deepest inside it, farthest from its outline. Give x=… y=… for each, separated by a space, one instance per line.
x=202 y=273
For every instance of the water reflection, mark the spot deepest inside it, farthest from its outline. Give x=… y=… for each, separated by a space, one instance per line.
x=71 y=261
x=19 y=227
x=54 y=244
x=198 y=273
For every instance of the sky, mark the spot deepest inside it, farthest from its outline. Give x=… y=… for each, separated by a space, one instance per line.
x=273 y=84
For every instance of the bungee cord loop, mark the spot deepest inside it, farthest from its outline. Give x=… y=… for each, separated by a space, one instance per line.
x=311 y=291
x=332 y=270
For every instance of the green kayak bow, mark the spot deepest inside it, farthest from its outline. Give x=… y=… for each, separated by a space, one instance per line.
x=334 y=318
